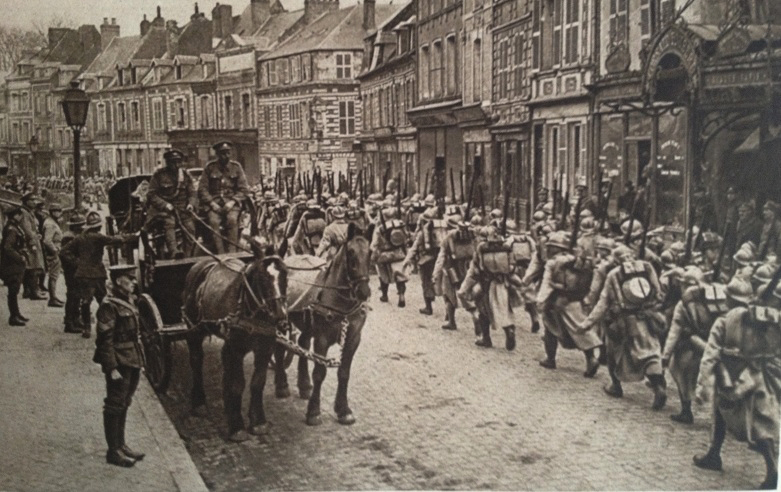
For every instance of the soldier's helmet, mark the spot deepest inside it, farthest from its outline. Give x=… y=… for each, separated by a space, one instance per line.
x=496 y=214
x=669 y=259
x=55 y=207
x=539 y=216
x=512 y=226
x=710 y=240
x=454 y=220
x=604 y=244
x=558 y=239
x=623 y=253
x=312 y=204
x=93 y=221
x=430 y=201
x=331 y=201
x=269 y=196
x=76 y=220
x=587 y=224
x=337 y=212
x=389 y=213
x=389 y=202
x=476 y=220
x=415 y=198
x=300 y=198
x=739 y=290
x=548 y=208
x=343 y=199
x=692 y=276
x=764 y=273
x=637 y=229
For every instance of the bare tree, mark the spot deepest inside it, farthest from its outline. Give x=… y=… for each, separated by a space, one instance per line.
x=15 y=42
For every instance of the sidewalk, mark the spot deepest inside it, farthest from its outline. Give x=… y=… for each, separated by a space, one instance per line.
x=51 y=430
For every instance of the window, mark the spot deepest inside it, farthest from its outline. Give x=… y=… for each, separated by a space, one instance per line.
x=15 y=102
x=572 y=31
x=410 y=96
x=399 y=105
x=667 y=10
x=25 y=101
x=48 y=137
x=205 y=110
x=346 y=118
x=306 y=67
x=157 y=114
x=295 y=69
x=452 y=65
x=134 y=75
x=618 y=21
x=554 y=150
x=519 y=64
x=381 y=104
x=272 y=72
x=647 y=19
x=181 y=113
x=15 y=135
x=295 y=120
x=477 y=70
x=178 y=72
x=280 y=122
x=503 y=68
x=25 y=132
x=101 y=117
x=282 y=71
x=436 y=70
x=120 y=77
x=557 y=18
x=425 y=60
x=62 y=139
x=267 y=121
x=367 y=111
x=344 y=66
x=246 y=110
x=228 y=111
x=121 y=116
x=135 y=116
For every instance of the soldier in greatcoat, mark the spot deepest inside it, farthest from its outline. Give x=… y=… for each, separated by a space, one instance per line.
x=222 y=189
x=455 y=255
x=34 y=271
x=334 y=235
x=388 y=251
x=52 y=243
x=430 y=233
x=118 y=351
x=310 y=229
x=14 y=257
x=171 y=194
x=565 y=283
x=740 y=373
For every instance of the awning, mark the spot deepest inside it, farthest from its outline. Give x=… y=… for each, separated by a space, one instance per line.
x=751 y=143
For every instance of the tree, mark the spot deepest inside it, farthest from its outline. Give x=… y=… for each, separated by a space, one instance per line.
x=15 y=43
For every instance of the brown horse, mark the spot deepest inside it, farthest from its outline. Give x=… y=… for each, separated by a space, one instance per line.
x=244 y=305
x=332 y=312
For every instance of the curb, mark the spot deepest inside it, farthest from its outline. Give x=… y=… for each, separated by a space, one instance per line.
x=177 y=460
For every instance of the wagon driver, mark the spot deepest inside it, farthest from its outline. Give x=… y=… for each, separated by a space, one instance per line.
x=221 y=190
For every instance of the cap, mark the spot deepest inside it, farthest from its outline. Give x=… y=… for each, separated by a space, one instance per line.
x=622 y=252
x=172 y=154
x=30 y=196
x=117 y=271
x=496 y=214
x=605 y=244
x=224 y=145
x=14 y=212
x=511 y=225
x=772 y=206
x=738 y=289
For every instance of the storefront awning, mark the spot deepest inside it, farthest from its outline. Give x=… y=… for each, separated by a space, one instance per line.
x=751 y=143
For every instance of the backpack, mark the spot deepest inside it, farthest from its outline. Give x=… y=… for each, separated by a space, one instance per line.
x=395 y=233
x=495 y=258
x=434 y=233
x=635 y=287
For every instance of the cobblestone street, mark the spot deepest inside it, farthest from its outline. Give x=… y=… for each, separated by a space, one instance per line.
x=434 y=411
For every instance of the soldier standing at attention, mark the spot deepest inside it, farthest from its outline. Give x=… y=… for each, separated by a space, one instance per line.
x=221 y=189
x=34 y=269
x=13 y=261
x=52 y=243
x=72 y=322
x=118 y=351
x=171 y=190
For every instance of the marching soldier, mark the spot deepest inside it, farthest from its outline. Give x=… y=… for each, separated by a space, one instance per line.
x=388 y=244
x=171 y=192
x=119 y=353
x=222 y=189
x=72 y=321
x=565 y=283
x=334 y=235
x=52 y=243
x=310 y=229
x=489 y=284
x=739 y=372
x=425 y=249
x=627 y=302
x=455 y=255
x=525 y=256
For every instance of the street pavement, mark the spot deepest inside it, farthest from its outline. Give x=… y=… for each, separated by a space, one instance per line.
x=51 y=430
x=436 y=412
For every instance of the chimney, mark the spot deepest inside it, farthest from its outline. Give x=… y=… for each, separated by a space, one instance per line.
x=197 y=14
x=222 y=20
x=159 y=21
x=172 y=36
x=368 y=15
x=108 y=32
x=89 y=37
x=56 y=34
x=145 y=26
x=261 y=11
x=315 y=8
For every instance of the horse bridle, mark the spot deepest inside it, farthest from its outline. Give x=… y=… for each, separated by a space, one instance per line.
x=262 y=306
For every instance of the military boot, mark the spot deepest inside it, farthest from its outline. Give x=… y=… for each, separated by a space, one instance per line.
x=401 y=288
x=485 y=330
x=551 y=347
x=450 y=317
x=114 y=455
x=384 y=292
x=121 y=434
x=509 y=332
x=428 y=311
x=685 y=417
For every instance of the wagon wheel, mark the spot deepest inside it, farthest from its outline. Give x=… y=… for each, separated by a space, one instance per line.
x=157 y=350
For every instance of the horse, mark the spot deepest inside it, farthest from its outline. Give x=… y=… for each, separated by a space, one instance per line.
x=328 y=307
x=245 y=305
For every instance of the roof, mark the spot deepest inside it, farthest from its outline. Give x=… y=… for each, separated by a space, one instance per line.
x=118 y=52
x=336 y=30
x=274 y=28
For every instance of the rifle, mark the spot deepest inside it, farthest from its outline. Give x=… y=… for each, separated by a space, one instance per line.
x=469 y=202
x=406 y=182
x=506 y=204
x=385 y=179
x=360 y=183
x=425 y=185
x=319 y=180
x=605 y=206
x=573 y=240
x=555 y=197
x=398 y=195
x=482 y=202
x=628 y=235
x=461 y=184
x=300 y=184
x=646 y=225
x=350 y=192
x=452 y=186
x=771 y=286
x=564 y=211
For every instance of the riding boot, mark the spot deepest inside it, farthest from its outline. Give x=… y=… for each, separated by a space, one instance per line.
x=551 y=345
x=427 y=310
x=121 y=434
x=768 y=450
x=659 y=387
x=485 y=330
x=685 y=417
x=114 y=455
x=384 y=291
x=451 y=316
x=401 y=288
x=592 y=364
x=712 y=459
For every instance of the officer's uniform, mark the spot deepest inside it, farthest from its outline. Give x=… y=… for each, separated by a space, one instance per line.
x=34 y=270
x=171 y=191
x=118 y=347
x=72 y=320
x=52 y=243
x=219 y=185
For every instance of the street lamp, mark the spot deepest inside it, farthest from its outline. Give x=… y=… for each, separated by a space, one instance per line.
x=75 y=104
x=33 y=144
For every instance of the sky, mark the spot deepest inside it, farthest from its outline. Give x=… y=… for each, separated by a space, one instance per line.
x=128 y=13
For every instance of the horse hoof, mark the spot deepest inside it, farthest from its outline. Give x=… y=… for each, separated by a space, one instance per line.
x=259 y=429
x=313 y=420
x=239 y=436
x=304 y=393
x=200 y=411
x=347 y=419
x=283 y=392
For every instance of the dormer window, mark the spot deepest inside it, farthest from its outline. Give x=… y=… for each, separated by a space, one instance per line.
x=120 y=77
x=134 y=75
x=178 y=72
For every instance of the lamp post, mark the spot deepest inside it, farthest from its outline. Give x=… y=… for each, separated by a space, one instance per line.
x=33 y=144
x=75 y=105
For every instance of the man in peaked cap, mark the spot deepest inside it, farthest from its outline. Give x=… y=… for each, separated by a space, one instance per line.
x=71 y=321
x=52 y=243
x=769 y=242
x=34 y=270
x=222 y=188
x=171 y=193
